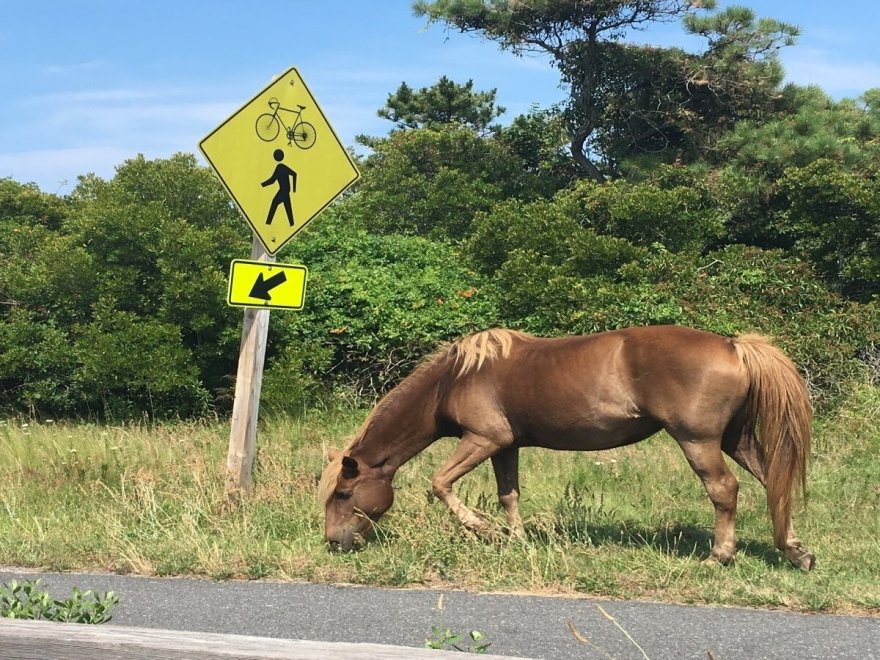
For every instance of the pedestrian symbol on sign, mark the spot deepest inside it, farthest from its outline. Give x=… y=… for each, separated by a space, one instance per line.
x=286 y=180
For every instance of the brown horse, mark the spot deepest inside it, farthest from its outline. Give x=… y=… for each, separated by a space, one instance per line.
x=500 y=390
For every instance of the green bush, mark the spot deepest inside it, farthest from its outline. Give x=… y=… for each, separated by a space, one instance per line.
x=745 y=200
x=543 y=299
x=129 y=364
x=379 y=303
x=550 y=234
x=680 y=217
x=432 y=181
x=831 y=216
x=114 y=296
x=37 y=366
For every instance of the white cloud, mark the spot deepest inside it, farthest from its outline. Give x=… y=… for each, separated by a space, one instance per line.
x=69 y=69
x=134 y=118
x=147 y=118
x=95 y=96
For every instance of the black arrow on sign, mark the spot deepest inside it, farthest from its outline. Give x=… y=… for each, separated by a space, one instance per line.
x=262 y=287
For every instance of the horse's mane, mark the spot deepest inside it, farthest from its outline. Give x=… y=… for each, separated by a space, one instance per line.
x=468 y=354
x=329 y=479
x=472 y=351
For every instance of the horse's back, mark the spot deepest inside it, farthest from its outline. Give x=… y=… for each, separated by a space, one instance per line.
x=607 y=389
x=685 y=378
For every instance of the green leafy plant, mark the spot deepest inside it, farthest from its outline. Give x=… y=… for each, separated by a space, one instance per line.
x=445 y=638
x=27 y=600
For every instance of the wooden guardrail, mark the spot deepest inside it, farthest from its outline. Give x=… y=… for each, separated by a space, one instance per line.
x=42 y=640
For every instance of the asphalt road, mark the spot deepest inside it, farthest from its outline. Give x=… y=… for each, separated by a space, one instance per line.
x=528 y=626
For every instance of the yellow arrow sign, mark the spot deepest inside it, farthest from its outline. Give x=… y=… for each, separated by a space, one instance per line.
x=269 y=285
x=280 y=160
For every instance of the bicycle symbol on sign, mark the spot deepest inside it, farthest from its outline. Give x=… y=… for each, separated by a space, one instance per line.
x=269 y=125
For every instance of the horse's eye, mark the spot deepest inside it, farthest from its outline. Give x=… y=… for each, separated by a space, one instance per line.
x=342 y=495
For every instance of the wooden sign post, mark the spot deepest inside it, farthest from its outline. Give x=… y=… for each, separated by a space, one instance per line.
x=248 y=384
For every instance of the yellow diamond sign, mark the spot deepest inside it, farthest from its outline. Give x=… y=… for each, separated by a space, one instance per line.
x=280 y=160
x=265 y=284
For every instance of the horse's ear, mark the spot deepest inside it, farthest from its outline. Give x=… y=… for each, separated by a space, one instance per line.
x=349 y=467
x=333 y=454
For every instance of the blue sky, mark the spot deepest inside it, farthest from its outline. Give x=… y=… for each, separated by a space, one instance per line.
x=86 y=84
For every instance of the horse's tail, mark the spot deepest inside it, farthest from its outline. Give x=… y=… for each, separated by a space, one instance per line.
x=779 y=404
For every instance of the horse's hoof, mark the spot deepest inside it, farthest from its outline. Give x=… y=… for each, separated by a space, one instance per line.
x=494 y=537
x=807 y=561
x=484 y=534
x=715 y=560
x=800 y=558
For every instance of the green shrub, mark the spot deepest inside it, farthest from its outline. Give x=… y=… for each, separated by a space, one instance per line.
x=542 y=299
x=432 y=181
x=831 y=215
x=128 y=364
x=379 y=303
x=680 y=217
x=37 y=366
x=114 y=296
x=550 y=234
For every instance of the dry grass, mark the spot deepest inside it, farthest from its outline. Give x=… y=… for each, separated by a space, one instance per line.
x=628 y=523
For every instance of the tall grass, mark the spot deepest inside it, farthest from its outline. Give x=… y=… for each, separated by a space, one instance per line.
x=629 y=523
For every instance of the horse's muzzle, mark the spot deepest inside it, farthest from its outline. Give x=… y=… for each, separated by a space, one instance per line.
x=350 y=540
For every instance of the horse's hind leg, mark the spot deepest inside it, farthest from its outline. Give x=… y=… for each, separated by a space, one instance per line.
x=506 y=466
x=706 y=460
x=746 y=451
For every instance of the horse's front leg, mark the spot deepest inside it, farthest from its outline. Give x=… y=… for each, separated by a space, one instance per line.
x=506 y=466
x=471 y=451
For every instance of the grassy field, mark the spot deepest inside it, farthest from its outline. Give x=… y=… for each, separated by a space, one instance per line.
x=628 y=523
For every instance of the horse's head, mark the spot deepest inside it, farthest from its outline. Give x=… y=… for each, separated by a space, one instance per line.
x=356 y=495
